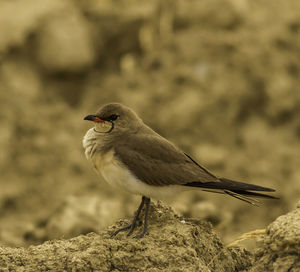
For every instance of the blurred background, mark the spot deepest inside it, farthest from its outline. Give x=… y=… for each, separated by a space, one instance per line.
x=218 y=78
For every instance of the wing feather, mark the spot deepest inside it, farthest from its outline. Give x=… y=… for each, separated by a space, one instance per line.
x=156 y=161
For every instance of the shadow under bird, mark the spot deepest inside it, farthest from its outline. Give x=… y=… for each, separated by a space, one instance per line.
x=131 y=156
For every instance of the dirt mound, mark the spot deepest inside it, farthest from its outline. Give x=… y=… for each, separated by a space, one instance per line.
x=174 y=244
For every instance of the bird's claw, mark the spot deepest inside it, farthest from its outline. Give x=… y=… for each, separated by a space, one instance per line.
x=141 y=235
x=120 y=229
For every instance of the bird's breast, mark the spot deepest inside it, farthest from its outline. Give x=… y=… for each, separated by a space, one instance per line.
x=89 y=143
x=118 y=175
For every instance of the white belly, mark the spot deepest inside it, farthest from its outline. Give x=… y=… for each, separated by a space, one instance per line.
x=118 y=176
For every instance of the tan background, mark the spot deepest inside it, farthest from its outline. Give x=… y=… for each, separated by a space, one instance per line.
x=218 y=78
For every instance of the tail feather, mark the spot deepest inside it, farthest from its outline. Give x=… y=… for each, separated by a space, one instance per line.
x=236 y=189
x=247 y=199
x=254 y=194
x=245 y=186
x=228 y=184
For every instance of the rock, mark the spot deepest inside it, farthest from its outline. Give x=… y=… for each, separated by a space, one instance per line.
x=20 y=86
x=18 y=19
x=60 y=48
x=174 y=244
x=281 y=246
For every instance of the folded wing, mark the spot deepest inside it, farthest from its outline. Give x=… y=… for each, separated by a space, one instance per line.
x=156 y=161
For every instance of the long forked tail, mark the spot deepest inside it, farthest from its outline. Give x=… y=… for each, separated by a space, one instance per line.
x=236 y=189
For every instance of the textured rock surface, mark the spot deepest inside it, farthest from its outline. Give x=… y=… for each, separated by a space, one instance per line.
x=281 y=246
x=173 y=245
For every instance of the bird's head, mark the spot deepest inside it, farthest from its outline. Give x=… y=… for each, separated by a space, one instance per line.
x=114 y=117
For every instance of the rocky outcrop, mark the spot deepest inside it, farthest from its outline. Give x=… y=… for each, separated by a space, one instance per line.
x=174 y=244
x=281 y=246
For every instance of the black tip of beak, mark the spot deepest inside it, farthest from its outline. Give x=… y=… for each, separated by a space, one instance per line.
x=90 y=117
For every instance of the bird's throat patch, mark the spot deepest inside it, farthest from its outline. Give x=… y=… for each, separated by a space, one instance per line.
x=104 y=127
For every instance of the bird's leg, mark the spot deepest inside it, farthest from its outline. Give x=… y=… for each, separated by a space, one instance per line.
x=132 y=225
x=145 y=229
x=137 y=214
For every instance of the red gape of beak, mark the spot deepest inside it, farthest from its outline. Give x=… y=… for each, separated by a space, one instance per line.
x=98 y=120
x=93 y=118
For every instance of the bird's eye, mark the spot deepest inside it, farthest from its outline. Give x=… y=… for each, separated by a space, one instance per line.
x=113 y=117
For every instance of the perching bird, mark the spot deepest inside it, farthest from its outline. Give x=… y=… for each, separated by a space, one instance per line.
x=131 y=156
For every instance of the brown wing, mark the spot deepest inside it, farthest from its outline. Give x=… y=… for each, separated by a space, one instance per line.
x=156 y=161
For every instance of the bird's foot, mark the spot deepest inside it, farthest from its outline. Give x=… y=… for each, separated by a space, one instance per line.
x=141 y=235
x=131 y=228
x=128 y=227
x=132 y=225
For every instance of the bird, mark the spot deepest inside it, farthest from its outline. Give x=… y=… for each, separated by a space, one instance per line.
x=131 y=156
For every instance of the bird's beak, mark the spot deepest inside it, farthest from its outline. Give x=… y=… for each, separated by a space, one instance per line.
x=93 y=118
